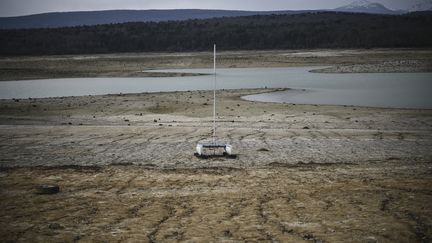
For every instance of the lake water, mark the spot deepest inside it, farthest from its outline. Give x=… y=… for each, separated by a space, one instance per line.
x=401 y=90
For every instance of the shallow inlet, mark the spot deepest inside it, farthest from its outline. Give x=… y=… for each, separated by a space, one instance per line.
x=398 y=90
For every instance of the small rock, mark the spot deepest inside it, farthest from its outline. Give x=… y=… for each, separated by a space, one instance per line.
x=48 y=189
x=306 y=127
x=55 y=226
x=263 y=150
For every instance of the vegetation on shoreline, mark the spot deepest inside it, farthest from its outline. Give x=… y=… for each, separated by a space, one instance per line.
x=311 y=30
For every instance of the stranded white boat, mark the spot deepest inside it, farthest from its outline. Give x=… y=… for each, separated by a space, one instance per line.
x=204 y=150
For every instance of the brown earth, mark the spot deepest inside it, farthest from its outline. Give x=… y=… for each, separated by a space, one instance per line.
x=383 y=201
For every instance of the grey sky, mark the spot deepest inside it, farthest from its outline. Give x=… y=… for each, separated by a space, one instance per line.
x=25 y=7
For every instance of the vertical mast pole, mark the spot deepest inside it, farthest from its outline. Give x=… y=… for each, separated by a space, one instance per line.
x=214 y=94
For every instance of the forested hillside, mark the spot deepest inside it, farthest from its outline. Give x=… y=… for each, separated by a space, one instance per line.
x=311 y=30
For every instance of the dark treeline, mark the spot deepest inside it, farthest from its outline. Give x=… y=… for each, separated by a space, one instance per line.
x=311 y=30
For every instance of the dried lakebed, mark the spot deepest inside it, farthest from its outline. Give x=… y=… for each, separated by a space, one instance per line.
x=126 y=170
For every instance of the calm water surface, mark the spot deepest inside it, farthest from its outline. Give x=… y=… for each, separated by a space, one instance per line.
x=402 y=90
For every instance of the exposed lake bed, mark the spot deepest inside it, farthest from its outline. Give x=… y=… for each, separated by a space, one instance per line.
x=301 y=169
x=126 y=170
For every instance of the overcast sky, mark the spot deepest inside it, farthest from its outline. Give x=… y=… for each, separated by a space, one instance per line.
x=25 y=7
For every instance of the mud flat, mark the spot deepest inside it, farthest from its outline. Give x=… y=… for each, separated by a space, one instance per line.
x=401 y=66
x=133 y=64
x=126 y=170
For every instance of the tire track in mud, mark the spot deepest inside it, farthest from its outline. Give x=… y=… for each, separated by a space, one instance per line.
x=264 y=219
x=271 y=224
x=123 y=188
x=421 y=228
x=152 y=235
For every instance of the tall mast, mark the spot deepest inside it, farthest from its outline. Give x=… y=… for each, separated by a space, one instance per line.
x=214 y=94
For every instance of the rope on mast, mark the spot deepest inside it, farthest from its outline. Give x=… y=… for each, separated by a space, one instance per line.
x=214 y=94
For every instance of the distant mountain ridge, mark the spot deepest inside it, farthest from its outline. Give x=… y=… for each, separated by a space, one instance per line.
x=90 y=18
x=424 y=5
x=69 y=19
x=364 y=6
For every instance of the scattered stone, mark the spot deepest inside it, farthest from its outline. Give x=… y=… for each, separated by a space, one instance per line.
x=55 y=226
x=227 y=233
x=48 y=189
x=263 y=150
x=306 y=127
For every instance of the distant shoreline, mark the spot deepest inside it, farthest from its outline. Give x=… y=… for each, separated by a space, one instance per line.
x=133 y=64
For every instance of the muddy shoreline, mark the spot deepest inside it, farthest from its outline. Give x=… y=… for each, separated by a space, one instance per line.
x=136 y=64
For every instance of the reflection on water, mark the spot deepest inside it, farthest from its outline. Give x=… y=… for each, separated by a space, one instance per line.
x=404 y=90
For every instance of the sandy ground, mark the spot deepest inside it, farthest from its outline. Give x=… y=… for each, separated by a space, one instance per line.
x=126 y=170
x=133 y=64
